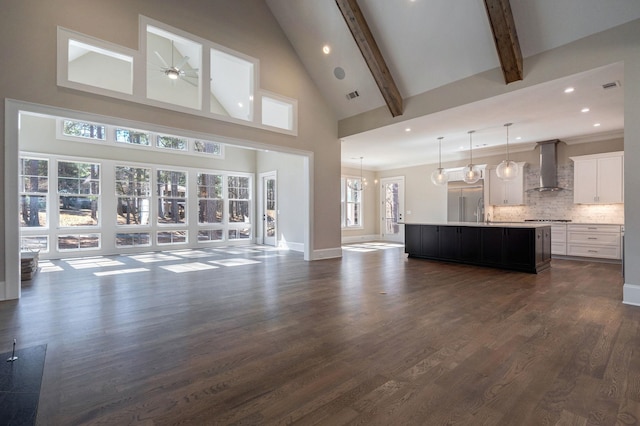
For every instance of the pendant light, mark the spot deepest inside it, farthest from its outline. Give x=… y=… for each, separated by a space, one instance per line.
x=362 y=184
x=507 y=170
x=439 y=177
x=471 y=173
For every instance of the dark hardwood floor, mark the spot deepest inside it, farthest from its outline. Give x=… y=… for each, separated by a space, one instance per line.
x=252 y=336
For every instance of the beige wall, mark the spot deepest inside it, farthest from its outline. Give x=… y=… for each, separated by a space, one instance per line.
x=28 y=42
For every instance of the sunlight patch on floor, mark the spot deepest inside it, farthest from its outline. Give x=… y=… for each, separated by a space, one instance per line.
x=188 y=267
x=120 y=272
x=153 y=257
x=48 y=266
x=234 y=262
x=92 y=262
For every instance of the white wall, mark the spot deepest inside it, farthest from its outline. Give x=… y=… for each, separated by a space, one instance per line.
x=290 y=194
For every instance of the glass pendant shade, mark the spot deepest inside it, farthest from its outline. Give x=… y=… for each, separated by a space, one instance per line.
x=507 y=170
x=359 y=185
x=471 y=173
x=439 y=177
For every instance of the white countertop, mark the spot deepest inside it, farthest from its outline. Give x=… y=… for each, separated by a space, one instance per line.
x=488 y=224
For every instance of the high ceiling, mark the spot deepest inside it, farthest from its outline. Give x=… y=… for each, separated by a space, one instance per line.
x=430 y=43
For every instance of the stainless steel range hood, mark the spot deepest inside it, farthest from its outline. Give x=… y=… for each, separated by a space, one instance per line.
x=548 y=167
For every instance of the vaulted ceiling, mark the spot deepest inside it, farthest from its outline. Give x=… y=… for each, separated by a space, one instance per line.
x=427 y=44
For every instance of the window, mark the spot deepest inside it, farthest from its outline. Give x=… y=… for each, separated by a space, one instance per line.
x=210 y=235
x=173 y=68
x=99 y=67
x=168 y=72
x=277 y=113
x=239 y=196
x=172 y=191
x=172 y=237
x=172 y=142
x=231 y=85
x=133 y=192
x=39 y=243
x=81 y=129
x=351 y=203
x=133 y=137
x=210 y=203
x=79 y=193
x=212 y=148
x=78 y=242
x=34 y=187
x=133 y=239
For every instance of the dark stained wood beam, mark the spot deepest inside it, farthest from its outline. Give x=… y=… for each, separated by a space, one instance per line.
x=506 y=38
x=373 y=57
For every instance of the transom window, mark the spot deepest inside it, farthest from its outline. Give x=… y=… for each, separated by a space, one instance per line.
x=81 y=129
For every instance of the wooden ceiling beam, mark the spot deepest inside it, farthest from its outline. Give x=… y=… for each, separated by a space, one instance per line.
x=359 y=28
x=506 y=38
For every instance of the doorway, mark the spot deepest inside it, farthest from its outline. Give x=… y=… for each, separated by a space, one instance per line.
x=269 y=208
x=392 y=209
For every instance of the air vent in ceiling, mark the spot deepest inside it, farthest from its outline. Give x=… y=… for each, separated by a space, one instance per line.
x=352 y=95
x=611 y=85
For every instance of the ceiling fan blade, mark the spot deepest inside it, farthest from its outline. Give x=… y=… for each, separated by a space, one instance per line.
x=180 y=64
x=187 y=81
x=164 y=63
x=189 y=73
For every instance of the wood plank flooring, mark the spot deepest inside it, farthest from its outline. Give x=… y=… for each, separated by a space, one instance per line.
x=252 y=336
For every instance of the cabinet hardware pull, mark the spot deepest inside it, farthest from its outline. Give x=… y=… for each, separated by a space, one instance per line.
x=592 y=251
x=592 y=238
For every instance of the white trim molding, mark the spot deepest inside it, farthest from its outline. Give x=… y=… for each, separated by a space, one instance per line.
x=330 y=253
x=631 y=294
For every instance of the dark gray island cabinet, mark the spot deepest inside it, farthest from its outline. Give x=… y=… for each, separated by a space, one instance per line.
x=519 y=247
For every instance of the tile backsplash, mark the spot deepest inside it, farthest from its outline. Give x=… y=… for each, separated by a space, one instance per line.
x=556 y=205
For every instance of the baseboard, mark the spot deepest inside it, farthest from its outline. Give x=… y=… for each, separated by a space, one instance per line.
x=331 y=253
x=360 y=239
x=299 y=247
x=631 y=294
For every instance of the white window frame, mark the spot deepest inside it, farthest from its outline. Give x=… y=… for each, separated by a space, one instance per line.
x=139 y=75
x=343 y=203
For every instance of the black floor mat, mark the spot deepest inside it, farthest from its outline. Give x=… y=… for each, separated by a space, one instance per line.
x=20 y=385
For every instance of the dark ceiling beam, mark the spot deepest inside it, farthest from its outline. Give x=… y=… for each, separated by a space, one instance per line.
x=506 y=39
x=366 y=43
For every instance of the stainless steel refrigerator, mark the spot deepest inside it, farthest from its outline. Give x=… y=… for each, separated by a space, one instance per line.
x=465 y=202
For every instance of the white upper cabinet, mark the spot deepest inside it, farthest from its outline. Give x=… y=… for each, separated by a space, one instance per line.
x=506 y=193
x=598 y=178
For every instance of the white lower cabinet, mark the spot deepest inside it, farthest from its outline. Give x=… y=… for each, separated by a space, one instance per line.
x=601 y=241
x=559 y=239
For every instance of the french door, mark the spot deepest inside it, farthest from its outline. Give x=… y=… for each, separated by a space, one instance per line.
x=269 y=208
x=392 y=209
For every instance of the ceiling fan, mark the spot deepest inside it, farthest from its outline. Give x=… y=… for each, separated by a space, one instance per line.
x=177 y=71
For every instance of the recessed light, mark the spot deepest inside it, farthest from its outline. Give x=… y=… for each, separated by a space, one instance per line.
x=240 y=104
x=569 y=90
x=585 y=110
x=596 y=125
x=519 y=138
x=326 y=49
x=408 y=129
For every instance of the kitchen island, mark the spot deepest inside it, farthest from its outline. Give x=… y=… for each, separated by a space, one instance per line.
x=517 y=246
